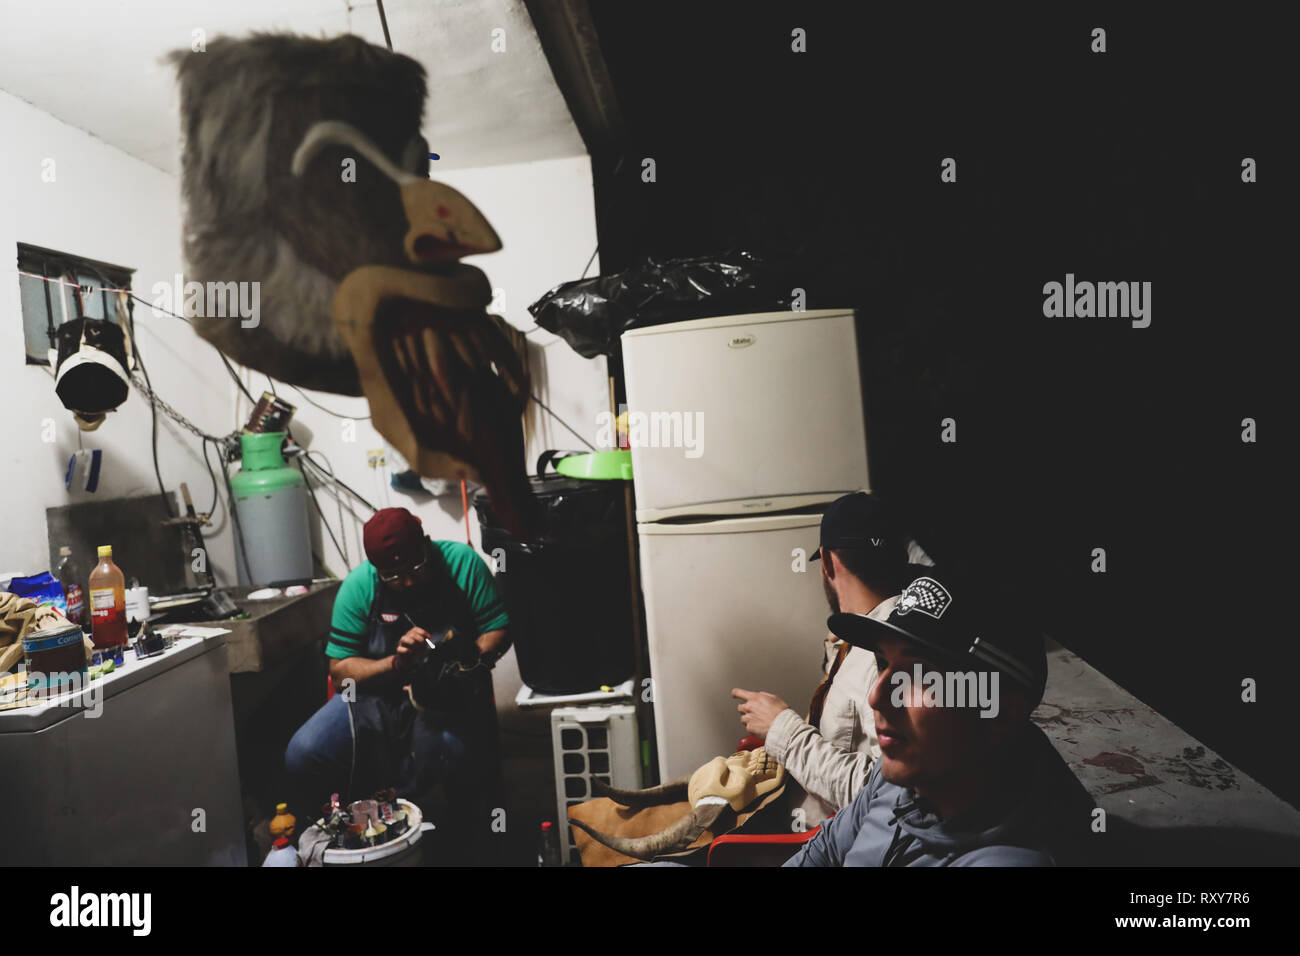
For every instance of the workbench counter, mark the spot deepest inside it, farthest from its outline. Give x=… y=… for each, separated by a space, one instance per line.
x=277 y=628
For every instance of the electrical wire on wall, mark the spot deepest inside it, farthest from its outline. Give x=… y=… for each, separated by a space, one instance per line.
x=325 y=475
x=333 y=479
x=216 y=497
x=562 y=422
x=383 y=22
x=338 y=503
x=592 y=258
x=319 y=511
x=153 y=408
x=306 y=398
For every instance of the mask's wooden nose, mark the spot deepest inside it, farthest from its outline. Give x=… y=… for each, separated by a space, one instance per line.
x=444 y=224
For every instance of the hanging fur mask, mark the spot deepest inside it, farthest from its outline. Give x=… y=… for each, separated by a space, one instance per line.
x=304 y=172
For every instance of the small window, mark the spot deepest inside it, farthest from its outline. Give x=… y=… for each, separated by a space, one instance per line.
x=48 y=304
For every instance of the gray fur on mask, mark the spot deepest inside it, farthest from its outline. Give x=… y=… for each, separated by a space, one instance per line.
x=245 y=106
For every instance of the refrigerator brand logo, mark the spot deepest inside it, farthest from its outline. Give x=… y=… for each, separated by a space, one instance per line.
x=740 y=341
x=636 y=429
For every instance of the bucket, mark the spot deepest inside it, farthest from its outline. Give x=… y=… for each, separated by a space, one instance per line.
x=404 y=851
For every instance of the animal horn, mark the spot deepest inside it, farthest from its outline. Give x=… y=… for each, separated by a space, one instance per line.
x=668 y=840
x=669 y=792
x=331 y=132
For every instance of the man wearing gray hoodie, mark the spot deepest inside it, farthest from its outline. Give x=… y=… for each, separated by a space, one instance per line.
x=964 y=779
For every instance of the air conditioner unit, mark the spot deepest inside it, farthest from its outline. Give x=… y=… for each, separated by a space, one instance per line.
x=591 y=742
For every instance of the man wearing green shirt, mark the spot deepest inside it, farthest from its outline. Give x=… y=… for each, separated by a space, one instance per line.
x=390 y=614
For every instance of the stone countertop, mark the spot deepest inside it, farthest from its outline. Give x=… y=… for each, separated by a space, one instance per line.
x=277 y=627
x=1155 y=777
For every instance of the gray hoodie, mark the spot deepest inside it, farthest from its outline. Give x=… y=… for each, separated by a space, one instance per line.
x=1044 y=824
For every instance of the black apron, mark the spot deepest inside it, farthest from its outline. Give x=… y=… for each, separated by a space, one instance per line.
x=410 y=750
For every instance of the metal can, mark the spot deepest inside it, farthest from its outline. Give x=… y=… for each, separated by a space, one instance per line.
x=56 y=660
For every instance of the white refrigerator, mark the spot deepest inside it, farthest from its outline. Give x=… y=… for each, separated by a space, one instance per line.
x=742 y=430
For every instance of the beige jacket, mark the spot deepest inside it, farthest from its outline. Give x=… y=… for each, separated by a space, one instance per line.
x=831 y=761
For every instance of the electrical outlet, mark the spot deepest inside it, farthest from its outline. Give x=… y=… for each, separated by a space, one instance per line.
x=375 y=458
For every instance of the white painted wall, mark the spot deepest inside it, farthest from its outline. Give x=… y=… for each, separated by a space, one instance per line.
x=109 y=206
x=544 y=212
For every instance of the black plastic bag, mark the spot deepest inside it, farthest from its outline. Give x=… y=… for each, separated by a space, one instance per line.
x=590 y=314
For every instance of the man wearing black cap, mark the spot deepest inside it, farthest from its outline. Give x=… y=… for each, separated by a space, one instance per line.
x=864 y=565
x=964 y=779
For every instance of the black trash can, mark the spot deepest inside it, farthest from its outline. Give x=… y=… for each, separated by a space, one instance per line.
x=568 y=591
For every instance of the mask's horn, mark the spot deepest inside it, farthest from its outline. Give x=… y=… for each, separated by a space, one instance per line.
x=670 y=792
x=676 y=837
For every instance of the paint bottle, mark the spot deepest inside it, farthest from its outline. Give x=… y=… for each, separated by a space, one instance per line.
x=283 y=823
x=107 y=602
x=282 y=854
x=548 y=846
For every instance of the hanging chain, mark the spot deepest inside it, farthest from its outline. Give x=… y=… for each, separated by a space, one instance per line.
x=171 y=413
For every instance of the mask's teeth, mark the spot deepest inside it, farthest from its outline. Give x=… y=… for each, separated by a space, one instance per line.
x=427 y=369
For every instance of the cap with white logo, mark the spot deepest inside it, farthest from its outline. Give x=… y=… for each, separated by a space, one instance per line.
x=957 y=623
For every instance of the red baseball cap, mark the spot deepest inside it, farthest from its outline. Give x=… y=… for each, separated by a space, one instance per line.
x=393 y=537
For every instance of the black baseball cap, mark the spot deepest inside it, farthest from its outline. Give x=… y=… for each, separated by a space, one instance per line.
x=948 y=617
x=862 y=522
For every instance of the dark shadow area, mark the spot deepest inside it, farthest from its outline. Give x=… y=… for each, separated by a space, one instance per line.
x=1073 y=434
x=1131 y=845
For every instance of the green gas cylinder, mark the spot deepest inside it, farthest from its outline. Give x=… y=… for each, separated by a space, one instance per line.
x=271 y=507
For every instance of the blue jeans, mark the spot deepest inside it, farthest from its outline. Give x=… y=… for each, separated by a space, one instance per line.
x=334 y=753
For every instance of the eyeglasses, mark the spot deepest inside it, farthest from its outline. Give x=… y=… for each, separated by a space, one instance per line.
x=388 y=577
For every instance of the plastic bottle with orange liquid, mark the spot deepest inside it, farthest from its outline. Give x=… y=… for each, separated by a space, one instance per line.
x=107 y=602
